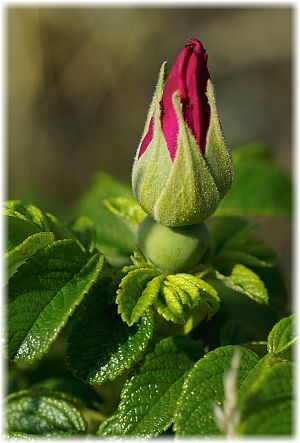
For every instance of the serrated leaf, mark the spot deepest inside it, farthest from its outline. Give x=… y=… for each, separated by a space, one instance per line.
x=260 y=188
x=266 y=399
x=110 y=427
x=85 y=230
x=134 y=296
x=127 y=209
x=246 y=281
x=43 y=413
x=101 y=346
x=282 y=336
x=114 y=238
x=44 y=293
x=148 y=399
x=204 y=386
x=72 y=387
x=24 y=239
x=27 y=212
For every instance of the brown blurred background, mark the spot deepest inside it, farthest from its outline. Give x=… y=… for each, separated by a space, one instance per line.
x=79 y=82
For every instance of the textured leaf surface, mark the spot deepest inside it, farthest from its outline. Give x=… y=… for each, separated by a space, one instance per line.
x=110 y=427
x=148 y=399
x=260 y=188
x=204 y=386
x=114 y=238
x=127 y=209
x=42 y=413
x=24 y=239
x=282 y=336
x=266 y=399
x=246 y=281
x=44 y=293
x=137 y=293
x=100 y=345
x=27 y=212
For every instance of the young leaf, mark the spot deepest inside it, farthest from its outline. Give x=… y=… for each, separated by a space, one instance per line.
x=246 y=281
x=101 y=346
x=137 y=293
x=43 y=413
x=114 y=238
x=24 y=239
x=127 y=209
x=27 y=212
x=44 y=293
x=149 y=397
x=266 y=399
x=259 y=189
x=282 y=336
x=204 y=386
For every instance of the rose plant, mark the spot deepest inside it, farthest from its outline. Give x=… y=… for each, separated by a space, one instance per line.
x=161 y=314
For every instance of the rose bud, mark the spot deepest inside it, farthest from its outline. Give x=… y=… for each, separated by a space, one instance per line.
x=182 y=167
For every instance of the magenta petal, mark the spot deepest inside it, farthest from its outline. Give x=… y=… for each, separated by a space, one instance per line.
x=147 y=139
x=188 y=75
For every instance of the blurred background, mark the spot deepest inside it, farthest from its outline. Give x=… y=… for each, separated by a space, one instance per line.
x=80 y=80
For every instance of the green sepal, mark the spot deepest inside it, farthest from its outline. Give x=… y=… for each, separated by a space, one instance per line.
x=217 y=155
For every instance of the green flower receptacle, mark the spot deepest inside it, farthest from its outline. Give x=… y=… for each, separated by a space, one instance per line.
x=169 y=249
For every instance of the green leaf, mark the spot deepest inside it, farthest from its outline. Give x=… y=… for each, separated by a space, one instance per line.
x=127 y=209
x=114 y=238
x=204 y=386
x=232 y=242
x=246 y=281
x=110 y=427
x=71 y=386
x=43 y=413
x=24 y=239
x=44 y=293
x=149 y=397
x=137 y=293
x=282 y=336
x=260 y=188
x=266 y=399
x=85 y=230
x=27 y=212
x=101 y=347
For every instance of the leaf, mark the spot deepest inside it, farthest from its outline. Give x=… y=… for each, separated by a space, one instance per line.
x=203 y=387
x=137 y=293
x=246 y=281
x=260 y=188
x=180 y=291
x=44 y=293
x=266 y=399
x=27 y=212
x=149 y=397
x=42 y=413
x=101 y=347
x=110 y=427
x=127 y=209
x=114 y=238
x=232 y=242
x=282 y=336
x=72 y=387
x=24 y=239
x=85 y=230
